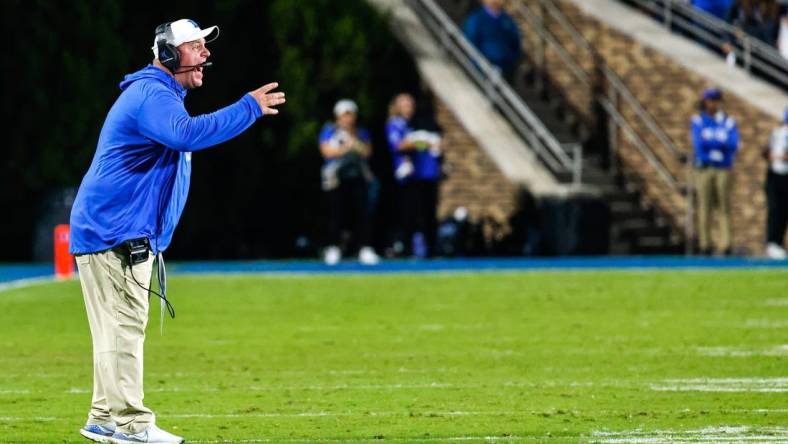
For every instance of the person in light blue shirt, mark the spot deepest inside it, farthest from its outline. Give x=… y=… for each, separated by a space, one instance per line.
x=346 y=178
x=126 y=210
x=495 y=34
x=715 y=141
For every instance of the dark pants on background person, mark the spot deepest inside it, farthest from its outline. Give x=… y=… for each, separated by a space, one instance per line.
x=777 y=203
x=418 y=207
x=349 y=202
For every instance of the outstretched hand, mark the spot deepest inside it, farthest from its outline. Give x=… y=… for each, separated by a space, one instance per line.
x=268 y=100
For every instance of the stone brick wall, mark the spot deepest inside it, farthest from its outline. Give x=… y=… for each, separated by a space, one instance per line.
x=670 y=93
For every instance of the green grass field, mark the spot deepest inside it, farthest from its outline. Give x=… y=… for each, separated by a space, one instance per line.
x=496 y=357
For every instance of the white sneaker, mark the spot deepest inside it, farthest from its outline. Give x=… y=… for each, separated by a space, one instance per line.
x=98 y=432
x=774 y=251
x=367 y=256
x=151 y=435
x=332 y=255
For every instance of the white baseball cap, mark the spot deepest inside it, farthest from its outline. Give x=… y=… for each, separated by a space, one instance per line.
x=185 y=30
x=345 y=106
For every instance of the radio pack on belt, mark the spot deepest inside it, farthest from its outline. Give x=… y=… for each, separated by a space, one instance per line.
x=137 y=250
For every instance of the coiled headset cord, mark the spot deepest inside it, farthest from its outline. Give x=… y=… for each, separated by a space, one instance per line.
x=161 y=274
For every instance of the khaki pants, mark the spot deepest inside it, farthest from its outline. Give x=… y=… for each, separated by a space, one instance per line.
x=713 y=186
x=117 y=311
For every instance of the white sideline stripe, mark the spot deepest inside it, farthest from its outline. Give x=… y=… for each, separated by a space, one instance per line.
x=373 y=414
x=384 y=439
x=776 y=384
x=742 y=352
x=708 y=434
x=711 y=388
x=431 y=385
x=764 y=323
x=22 y=283
x=343 y=414
x=723 y=385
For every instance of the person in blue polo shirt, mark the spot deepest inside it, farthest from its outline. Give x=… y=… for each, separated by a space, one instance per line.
x=715 y=139
x=495 y=34
x=416 y=160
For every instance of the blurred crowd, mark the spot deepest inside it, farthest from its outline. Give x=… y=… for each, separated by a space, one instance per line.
x=765 y=20
x=416 y=151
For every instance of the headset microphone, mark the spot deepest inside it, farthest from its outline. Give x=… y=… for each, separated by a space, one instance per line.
x=187 y=68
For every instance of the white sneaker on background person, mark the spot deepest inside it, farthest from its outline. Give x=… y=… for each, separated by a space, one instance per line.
x=98 y=432
x=367 y=256
x=151 y=435
x=332 y=255
x=774 y=251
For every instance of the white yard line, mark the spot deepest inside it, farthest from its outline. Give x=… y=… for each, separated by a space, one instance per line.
x=345 y=414
x=764 y=323
x=724 y=385
x=709 y=435
x=744 y=352
x=382 y=439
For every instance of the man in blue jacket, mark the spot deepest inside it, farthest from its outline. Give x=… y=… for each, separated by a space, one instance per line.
x=127 y=208
x=495 y=34
x=715 y=138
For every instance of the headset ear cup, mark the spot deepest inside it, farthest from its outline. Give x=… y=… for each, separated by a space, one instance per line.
x=168 y=55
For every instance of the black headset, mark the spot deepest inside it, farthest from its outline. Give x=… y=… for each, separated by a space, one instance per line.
x=168 y=53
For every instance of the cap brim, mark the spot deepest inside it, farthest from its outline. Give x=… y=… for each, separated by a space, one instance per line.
x=209 y=34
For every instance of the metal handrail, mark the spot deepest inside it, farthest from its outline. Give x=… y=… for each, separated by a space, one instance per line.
x=612 y=77
x=715 y=32
x=581 y=76
x=619 y=90
x=547 y=148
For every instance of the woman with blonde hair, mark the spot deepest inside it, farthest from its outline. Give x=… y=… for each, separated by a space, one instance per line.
x=416 y=159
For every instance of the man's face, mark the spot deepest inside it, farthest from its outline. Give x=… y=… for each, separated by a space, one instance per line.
x=495 y=5
x=346 y=120
x=192 y=53
x=712 y=106
x=406 y=106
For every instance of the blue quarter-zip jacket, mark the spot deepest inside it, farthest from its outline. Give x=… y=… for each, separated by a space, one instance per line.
x=496 y=37
x=715 y=140
x=138 y=181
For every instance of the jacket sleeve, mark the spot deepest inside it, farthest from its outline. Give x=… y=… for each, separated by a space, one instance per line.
x=698 y=144
x=163 y=118
x=471 y=30
x=733 y=136
x=394 y=136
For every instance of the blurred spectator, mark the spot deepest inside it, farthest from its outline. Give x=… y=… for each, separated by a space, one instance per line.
x=455 y=235
x=777 y=191
x=345 y=179
x=715 y=138
x=782 y=33
x=416 y=160
x=526 y=234
x=717 y=8
x=495 y=35
x=759 y=19
x=493 y=234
